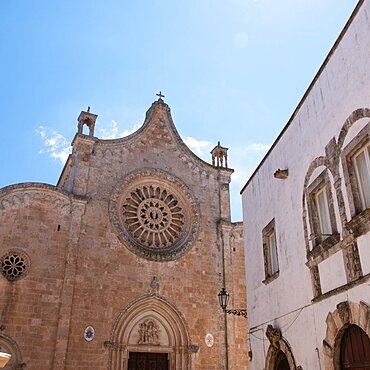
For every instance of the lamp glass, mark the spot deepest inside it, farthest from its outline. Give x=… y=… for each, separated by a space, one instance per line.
x=223 y=298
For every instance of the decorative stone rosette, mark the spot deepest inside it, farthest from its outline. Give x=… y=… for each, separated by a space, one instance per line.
x=14 y=264
x=154 y=214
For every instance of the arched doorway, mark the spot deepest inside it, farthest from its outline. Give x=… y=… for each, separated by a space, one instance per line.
x=147 y=361
x=279 y=355
x=338 y=340
x=8 y=345
x=355 y=349
x=282 y=361
x=150 y=334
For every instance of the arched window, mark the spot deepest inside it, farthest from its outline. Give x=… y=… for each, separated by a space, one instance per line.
x=355 y=349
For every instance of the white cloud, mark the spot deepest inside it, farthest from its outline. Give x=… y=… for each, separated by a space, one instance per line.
x=197 y=146
x=132 y=130
x=55 y=144
x=111 y=132
x=244 y=160
x=258 y=148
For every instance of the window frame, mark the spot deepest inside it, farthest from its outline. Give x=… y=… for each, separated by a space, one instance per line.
x=359 y=187
x=320 y=184
x=269 y=234
x=361 y=140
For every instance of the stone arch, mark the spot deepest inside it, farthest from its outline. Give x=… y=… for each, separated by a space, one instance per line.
x=350 y=121
x=347 y=313
x=172 y=336
x=279 y=344
x=8 y=345
x=316 y=163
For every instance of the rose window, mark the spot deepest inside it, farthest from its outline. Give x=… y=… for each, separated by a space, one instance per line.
x=153 y=216
x=14 y=265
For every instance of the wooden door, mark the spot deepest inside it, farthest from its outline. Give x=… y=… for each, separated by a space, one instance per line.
x=355 y=349
x=147 y=361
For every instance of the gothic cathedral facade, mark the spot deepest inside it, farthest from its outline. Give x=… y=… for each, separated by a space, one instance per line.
x=118 y=266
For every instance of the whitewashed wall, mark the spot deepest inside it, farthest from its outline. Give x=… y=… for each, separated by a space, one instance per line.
x=342 y=87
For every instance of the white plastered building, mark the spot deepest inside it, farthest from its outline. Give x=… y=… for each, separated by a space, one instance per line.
x=307 y=221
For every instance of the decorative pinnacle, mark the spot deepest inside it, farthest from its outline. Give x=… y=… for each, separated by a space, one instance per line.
x=160 y=95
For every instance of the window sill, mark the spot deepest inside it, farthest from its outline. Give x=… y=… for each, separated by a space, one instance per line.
x=324 y=246
x=360 y=223
x=271 y=278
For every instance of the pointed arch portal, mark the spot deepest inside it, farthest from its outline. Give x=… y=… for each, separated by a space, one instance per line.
x=150 y=333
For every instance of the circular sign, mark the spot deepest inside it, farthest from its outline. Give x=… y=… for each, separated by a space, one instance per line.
x=89 y=333
x=209 y=340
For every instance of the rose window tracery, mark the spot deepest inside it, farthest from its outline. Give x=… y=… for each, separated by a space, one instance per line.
x=14 y=265
x=154 y=214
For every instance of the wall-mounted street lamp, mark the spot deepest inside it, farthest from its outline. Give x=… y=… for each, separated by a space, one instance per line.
x=223 y=300
x=4 y=359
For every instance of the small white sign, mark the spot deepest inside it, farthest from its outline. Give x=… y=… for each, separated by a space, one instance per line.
x=209 y=340
x=89 y=333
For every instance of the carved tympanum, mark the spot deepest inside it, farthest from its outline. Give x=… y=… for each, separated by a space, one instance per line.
x=149 y=333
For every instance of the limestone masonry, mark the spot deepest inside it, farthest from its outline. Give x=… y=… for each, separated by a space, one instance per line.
x=118 y=266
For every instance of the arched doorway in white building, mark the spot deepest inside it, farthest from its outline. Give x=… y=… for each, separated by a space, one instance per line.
x=150 y=333
x=355 y=349
x=347 y=343
x=279 y=355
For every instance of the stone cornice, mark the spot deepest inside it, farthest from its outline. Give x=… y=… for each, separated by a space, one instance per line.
x=37 y=187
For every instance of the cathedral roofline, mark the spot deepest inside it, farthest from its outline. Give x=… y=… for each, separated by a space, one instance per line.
x=24 y=186
x=163 y=108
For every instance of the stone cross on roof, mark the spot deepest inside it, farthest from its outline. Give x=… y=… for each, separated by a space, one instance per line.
x=160 y=95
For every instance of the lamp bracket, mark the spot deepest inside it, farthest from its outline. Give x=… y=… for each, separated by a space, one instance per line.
x=237 y=312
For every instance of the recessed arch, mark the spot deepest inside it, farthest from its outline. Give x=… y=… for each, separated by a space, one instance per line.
x=9 y=345
x=168 y=333
x=315 y=164
x=350 y=121
x=347 y=313
x=280 y=354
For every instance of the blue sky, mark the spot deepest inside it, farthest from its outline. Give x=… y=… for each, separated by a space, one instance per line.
x=231 y=70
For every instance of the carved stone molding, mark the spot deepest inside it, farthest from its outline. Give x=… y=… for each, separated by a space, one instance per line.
x=193 y=348
x=164 y=330
x=14 y=264
x=9 y=345
x=346 y=313
x=154 y=214
x=360 y=224
x=23 y=198
x=274 y=336
x=278 y=344
x=154 y=285
x=149 y=333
